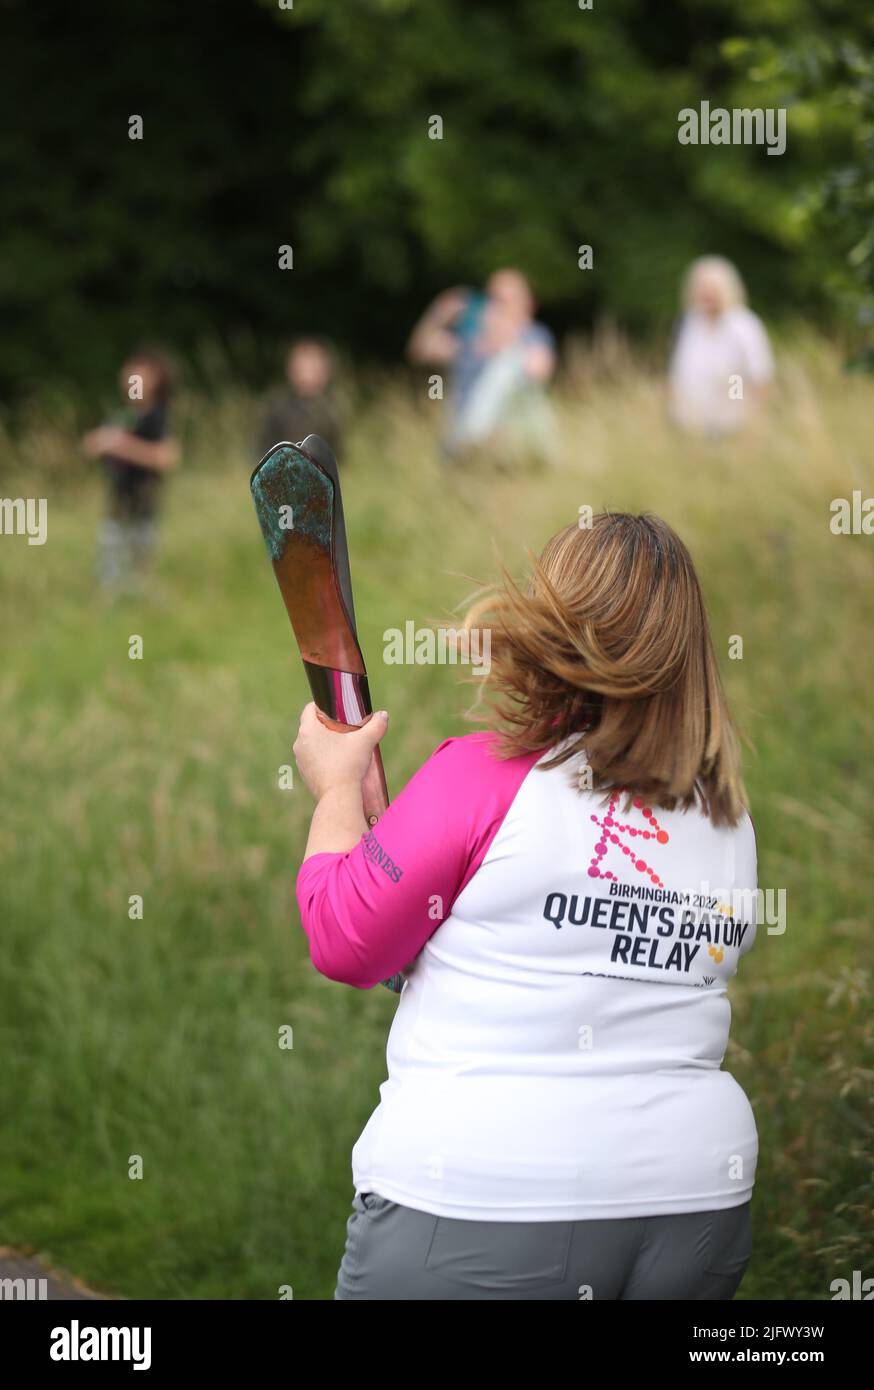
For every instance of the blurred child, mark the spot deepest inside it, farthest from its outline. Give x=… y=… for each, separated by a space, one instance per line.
x=721 y=363
x=307 y=403
x=136 y=449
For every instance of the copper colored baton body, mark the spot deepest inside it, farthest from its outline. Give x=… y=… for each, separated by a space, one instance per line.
x=296 y=490
x=297 y=496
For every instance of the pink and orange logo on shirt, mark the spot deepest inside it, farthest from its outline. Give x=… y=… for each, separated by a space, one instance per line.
x=613 y=830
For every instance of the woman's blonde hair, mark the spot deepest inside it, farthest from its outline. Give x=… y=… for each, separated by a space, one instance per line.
x=609 y=651
x=722 y=273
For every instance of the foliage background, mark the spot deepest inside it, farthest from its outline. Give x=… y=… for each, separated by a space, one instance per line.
x=308 y=127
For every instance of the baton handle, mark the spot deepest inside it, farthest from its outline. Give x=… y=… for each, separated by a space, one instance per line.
x=374 y=792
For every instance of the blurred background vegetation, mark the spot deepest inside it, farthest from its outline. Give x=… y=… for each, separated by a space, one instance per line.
x=309 y=127
x=161 y=777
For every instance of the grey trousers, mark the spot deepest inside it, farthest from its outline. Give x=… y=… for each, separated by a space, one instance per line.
x=394 y=1252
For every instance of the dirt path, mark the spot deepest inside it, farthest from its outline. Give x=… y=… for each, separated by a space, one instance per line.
x=15 y=1265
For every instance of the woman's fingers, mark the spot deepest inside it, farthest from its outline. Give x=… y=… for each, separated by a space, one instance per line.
x=372 y=731
x=326 y=756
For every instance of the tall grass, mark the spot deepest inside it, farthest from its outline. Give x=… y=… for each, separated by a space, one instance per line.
x=160 y=777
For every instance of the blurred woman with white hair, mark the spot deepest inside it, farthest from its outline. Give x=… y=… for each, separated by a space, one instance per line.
x=721 y=362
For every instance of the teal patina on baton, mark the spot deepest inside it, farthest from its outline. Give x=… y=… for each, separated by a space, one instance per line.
x=292 y=494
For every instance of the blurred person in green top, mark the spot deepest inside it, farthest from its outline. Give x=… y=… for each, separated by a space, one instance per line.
x=308 y=402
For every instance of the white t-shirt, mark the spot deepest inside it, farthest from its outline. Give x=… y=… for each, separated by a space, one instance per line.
x=557 y=1049
x=716 y=365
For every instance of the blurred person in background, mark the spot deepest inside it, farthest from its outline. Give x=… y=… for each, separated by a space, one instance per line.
x=307 y=403
x=136 y=449
x=721 y=364
x=501 y=360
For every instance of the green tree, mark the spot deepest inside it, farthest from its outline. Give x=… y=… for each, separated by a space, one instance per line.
x=310 y=127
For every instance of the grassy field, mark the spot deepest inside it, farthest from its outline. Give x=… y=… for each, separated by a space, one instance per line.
x=159 y=777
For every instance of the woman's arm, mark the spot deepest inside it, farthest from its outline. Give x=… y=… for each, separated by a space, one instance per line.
x=369 y=909
x=338 y=821
x=334 y=766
